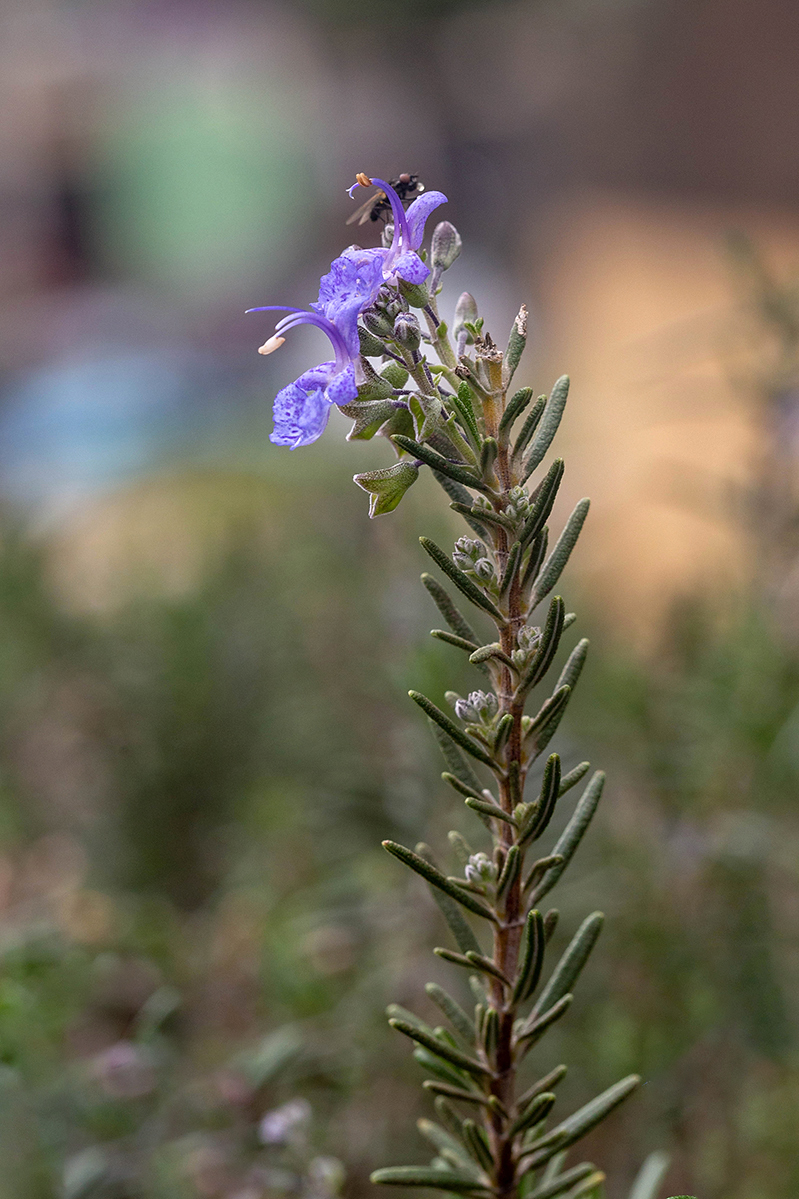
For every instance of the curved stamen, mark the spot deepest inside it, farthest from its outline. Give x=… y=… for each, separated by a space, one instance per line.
x=300 y=316
x=398 y=213
x=402 y=236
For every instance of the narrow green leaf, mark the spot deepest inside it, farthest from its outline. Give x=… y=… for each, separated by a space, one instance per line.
x=477 y=1143
x=424 y=453
x=574 y=665
x=493 y=650
x=516 y=343
x=450 y=1120
x=562 y=1182
x=549 y=709
x=461 y=581
x=531 y=957
x=441 y=1049
x=488 y=456
x=478 y=990
x=545 y=804
x=545 y=724
x=451 y=729
x=553 y=567
x=395 y=1011
x=464 y=937
x=511 y=567
x=490 y=1031
x=570 y=965
x=421 y=1176
x=458 y=494
x=435 y=1065
x=448 y=610
x=573 y=777
x=551 y=923
x=533 y=1029
x=529 y=427
x=487 y=966
x=437 y=879
x=455 y=759
x=534 y=560
x=510 y=871
x=454 y=639
x=547 y=1083
x=572 y=835
x=543 y=500
x=548 y=647
x=489 y=809
x=503 y=732
x=515 y=407
x=460 y=846
x=538 y=1109
x=452 y=1010
x=446 y=1144
x=457 y=959
x=462 y=400
x=576 y=1126
x=549 y=425
x=450 y=1092
x=484 y=516
x=540 y=868
x=461 y=788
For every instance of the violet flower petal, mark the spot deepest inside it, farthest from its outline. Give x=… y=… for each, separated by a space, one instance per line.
x=418 y=212
x=410 y=267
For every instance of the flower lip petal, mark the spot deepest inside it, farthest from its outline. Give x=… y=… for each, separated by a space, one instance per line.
x=410 y=267
x=418 y=212
x=301 y=409
x=342 y=388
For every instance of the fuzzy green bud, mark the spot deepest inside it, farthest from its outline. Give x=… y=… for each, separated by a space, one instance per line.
x=377 y=324
x=465 y=310
x=445 y=246
x=407 y=331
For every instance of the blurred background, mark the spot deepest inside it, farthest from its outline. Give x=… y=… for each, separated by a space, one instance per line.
x=205 y=644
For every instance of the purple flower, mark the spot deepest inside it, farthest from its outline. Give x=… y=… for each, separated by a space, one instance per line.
x=301 y=409
x=401 y=258
x=350 y=286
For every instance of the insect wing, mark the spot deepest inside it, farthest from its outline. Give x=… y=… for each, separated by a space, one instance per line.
x=364 y=212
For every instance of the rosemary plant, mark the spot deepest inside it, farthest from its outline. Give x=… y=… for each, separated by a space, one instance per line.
x=486 y=444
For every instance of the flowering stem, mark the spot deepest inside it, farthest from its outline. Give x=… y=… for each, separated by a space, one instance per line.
x=491 y=1141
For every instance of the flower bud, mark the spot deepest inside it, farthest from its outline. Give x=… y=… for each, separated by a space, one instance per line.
x=466 y=712
x=465 y=310
x=484 y=569
x=445 y=246
x=480 y=707
x=407 y=331
x=371 y=346
x=417 y=294
x=377 y=323
x=466 y=552
x=480 y=869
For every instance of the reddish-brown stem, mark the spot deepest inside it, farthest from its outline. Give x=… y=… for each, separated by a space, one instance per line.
x=507 y=933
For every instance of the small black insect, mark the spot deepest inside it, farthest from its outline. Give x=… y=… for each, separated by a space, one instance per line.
x=407 y=187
